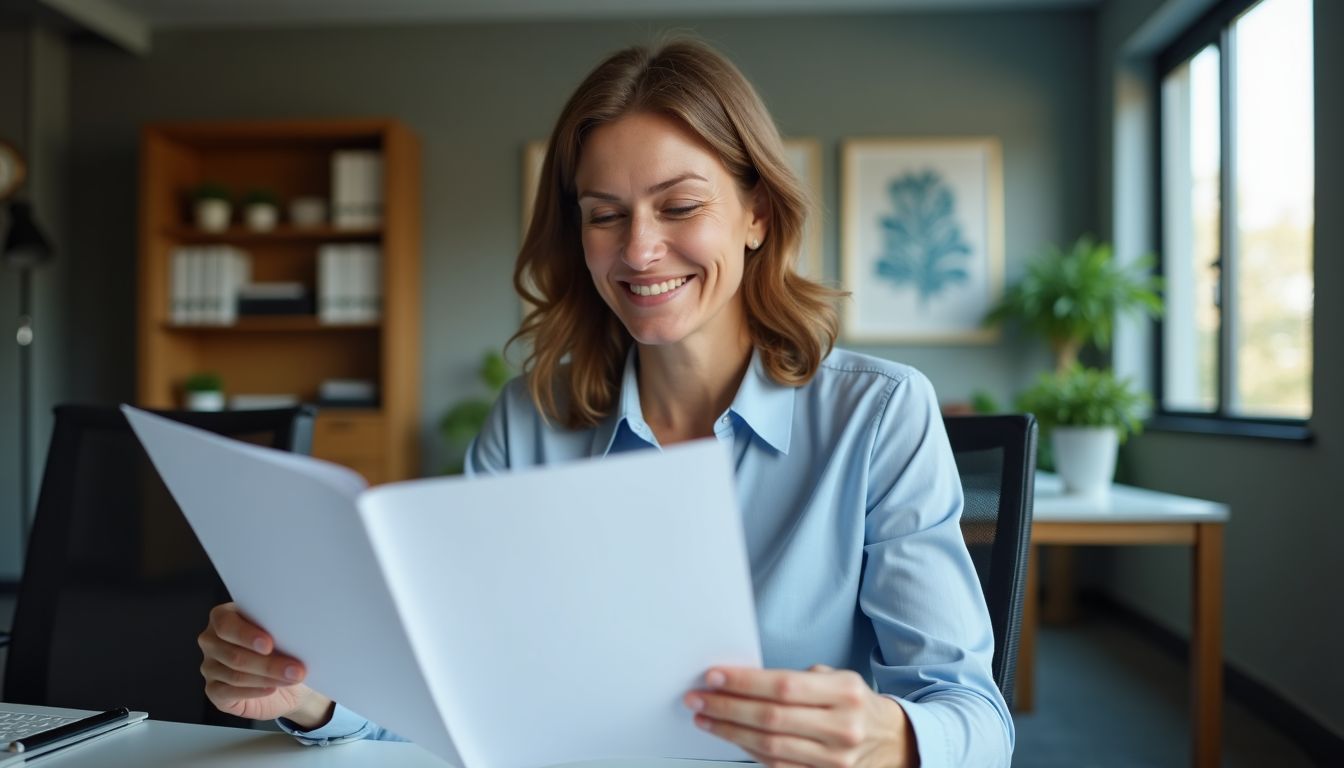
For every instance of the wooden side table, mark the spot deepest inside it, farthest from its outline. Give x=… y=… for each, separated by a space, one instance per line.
x=1129 y=516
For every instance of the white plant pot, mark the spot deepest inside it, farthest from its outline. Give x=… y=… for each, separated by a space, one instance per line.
x=1085 y=458
x=213 y=215
x=261 y=217
x=205 y=401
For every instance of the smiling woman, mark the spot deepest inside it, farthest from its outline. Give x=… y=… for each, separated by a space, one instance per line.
x=659 y=265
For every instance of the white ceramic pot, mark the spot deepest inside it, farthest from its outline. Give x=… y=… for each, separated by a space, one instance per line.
x=261 y=217
x=205 y=401
x=213 y=215
x=1085 y=458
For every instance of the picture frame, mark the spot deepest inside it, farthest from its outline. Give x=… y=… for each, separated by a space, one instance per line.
x=921 y=239
x=803 y=154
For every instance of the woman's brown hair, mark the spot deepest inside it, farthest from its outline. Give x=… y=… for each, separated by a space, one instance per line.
x=791 y=320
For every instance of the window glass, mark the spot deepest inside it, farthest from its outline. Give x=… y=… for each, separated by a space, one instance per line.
x=1191 y=151
x=1273 y=165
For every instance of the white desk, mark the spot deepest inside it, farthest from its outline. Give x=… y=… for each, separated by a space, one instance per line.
x=1130 y=516
x=157 y=744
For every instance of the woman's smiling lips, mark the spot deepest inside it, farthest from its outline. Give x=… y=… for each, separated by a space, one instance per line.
x=648 y=293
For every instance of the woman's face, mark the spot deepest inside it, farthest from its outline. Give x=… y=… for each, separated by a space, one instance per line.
x=665 y=229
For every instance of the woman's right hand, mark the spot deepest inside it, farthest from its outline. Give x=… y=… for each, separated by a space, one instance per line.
x=245 y=677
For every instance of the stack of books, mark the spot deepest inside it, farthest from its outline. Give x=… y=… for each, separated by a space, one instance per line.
x=356 y=188
x=349 y=283
x=276 y=298
x=347 y=393
x=204 y=284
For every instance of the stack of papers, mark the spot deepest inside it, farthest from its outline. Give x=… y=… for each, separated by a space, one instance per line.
x=528 y=619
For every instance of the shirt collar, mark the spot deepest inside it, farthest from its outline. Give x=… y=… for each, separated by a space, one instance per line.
x=627 y=410
x=765 y=406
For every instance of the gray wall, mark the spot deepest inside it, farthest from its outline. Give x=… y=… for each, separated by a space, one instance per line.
x=34 y=97
x=476 y=93
x=1284 y=621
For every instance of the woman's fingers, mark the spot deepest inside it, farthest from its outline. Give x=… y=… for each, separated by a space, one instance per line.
x=223 y=693
x=213 y=670
x=827 y=688
x=228 y=623
x=779 y=750
x=280 y=670
x=821 y=724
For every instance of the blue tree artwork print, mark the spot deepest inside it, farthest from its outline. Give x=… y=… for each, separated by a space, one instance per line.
x=922 y=239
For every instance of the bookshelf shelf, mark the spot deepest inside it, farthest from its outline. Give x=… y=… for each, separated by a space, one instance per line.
x=239 y=236
x=288 y=354
x=270 y=324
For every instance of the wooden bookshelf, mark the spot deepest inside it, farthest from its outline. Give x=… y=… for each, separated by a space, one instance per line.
x=288 y=354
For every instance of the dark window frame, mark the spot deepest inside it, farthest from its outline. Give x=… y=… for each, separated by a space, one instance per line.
x=1213 y=28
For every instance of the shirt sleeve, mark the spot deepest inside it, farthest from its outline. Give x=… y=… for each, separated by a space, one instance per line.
x=344 y=726
x=935 y=644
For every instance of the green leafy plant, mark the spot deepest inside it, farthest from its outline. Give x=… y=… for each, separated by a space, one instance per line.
x=460 y=425
x=210 y=191
x=1073 y=297
x=203 y=382
x=983 y=402
x=260 y=197
x=1085 y=397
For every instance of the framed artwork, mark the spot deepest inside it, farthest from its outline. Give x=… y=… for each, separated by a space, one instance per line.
x=921 y=239
x=534 y=154
x=804 y=156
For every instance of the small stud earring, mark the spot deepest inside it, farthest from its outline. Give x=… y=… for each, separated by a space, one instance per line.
x=754 y=244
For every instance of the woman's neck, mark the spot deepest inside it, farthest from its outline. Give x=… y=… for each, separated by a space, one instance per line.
x=684 y=387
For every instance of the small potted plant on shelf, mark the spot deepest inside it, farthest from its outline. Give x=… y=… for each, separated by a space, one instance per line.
x=203 y=392
x=1072 y=297
x=261 y=210
x=1087 y=413
x=212 y=207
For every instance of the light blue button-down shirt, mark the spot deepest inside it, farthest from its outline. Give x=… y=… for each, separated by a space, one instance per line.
x=851 y=507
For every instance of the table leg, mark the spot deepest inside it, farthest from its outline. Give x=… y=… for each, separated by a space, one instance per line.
x=1206 y=646
x=1025 y=688
x=1058 y=607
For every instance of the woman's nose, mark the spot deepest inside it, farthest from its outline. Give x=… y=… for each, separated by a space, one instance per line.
x=644 y=244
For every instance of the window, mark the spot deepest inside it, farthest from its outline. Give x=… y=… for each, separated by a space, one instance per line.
x=1237 y=166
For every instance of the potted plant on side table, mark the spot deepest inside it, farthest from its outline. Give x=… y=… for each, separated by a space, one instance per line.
x=1087 y=413
x=1072 y=298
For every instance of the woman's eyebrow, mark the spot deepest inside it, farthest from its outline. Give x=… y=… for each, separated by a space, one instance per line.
x=659 y=187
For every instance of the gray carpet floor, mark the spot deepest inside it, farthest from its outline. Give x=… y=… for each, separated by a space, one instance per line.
x=1106 y=697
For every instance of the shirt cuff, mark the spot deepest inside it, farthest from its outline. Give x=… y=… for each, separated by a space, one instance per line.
x=344 y=726
x=930 y=734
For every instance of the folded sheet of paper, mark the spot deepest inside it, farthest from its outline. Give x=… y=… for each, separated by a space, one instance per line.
x=526 y=619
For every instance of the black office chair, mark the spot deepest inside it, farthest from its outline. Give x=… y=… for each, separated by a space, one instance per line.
x=996 y=456
x=115 y=585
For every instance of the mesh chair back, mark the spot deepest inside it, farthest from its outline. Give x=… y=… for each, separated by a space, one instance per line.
x=996 y=457
x=115 y=585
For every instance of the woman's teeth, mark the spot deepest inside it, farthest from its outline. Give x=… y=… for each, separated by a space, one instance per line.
x=657 y=288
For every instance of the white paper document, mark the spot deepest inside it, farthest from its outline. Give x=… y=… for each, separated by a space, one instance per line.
x=527 y=619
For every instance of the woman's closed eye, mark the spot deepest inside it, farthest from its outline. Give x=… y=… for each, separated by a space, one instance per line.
x=681 y=208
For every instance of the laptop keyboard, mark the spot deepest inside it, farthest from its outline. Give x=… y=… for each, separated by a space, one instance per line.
x=19 y=725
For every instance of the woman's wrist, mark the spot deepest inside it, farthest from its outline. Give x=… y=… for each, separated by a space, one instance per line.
x=315 y=712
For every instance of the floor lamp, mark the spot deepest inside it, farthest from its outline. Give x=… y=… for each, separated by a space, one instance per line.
x=25 y=248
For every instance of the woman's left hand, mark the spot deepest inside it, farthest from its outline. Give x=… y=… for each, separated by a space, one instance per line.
x=821 y=717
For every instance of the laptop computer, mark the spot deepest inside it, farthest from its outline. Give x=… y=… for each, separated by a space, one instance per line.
x=28 y=732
